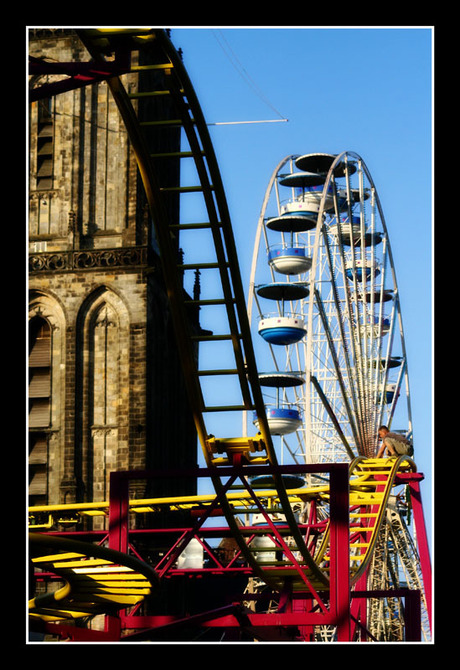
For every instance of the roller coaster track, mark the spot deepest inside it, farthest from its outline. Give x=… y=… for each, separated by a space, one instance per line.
x=96 y=580
x=370 y=480
x=370 y=484
x=190 y=118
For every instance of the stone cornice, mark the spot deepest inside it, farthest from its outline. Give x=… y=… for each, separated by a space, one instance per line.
x=87 y=259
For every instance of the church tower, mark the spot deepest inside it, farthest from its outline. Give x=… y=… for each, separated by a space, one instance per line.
x=105 y=386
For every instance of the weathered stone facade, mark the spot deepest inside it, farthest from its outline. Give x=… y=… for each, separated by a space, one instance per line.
x=106 y=385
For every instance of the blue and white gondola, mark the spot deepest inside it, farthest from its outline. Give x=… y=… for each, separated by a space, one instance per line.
x=379 y=296
x=282 y=291
x=289 y=260
x=267 y=481
x=349 y=233
x=378 y=327
x=282 y=329
x=389 y=394
x=281 y=420
x=297 y=221
x=361 y=269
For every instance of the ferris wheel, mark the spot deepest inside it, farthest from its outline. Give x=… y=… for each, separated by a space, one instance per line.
x=324 y=308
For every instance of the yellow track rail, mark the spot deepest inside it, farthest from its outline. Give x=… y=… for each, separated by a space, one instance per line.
x=370 y=484
x=362 y=479
x=96 y=580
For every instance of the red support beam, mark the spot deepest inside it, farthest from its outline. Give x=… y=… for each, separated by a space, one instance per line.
x=359 y=610
x=340 y=554
x=422 y=541
x=298 y=612
x=76 y=75
x=119 y=513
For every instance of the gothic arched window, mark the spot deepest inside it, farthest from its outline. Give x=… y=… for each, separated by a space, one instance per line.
x=103 y=395
x=39 y=406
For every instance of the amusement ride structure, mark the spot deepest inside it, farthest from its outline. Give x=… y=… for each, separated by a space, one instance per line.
x=303 y=534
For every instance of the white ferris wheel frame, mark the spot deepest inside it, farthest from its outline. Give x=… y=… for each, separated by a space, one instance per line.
x=342 y=404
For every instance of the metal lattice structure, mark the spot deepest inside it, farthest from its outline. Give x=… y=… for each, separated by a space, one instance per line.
x=396 y=562
x=322 y=256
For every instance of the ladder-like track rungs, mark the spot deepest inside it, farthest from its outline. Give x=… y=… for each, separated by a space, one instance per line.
x=185 y=189
x=155 y=66
x=192 y=226
x=214 y=338
x=228 y=408
x=147 y=94
x=175 y=154
x=160 y=122
x=202 y=266
x=210 y=302
x=216 y=373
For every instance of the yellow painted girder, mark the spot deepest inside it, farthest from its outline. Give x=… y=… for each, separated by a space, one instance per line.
x=143 y=505
x=96 y=579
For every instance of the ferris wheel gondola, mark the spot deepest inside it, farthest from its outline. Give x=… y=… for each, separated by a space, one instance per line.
x=337 y=319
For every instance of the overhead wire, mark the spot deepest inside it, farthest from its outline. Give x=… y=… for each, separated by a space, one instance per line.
x=227 y=49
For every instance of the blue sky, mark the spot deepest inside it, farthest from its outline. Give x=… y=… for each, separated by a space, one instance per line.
x=365 y=90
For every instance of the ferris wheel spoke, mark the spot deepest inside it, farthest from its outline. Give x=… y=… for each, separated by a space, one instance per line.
x=337 y=368
x=350 y=307
x=332 y=416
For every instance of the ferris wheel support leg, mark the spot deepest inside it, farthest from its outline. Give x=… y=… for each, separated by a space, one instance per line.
x=422 y=541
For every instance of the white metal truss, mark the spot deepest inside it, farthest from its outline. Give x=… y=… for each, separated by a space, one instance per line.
x=352 y=358
x=351 y=362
